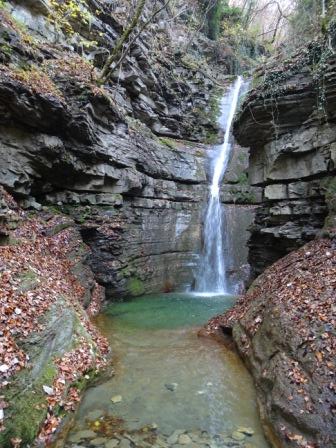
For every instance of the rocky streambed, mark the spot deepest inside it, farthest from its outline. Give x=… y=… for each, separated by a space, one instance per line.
x=150 y=436
x=170 y=387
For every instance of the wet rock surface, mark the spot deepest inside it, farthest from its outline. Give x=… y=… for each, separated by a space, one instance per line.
x=284 y=330
x=127 y=160
x=106 y=156
x=107 y=434
x=292 y=156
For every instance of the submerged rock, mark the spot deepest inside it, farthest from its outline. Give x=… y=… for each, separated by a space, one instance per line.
x=98 y=441
x=184 y=439
x=171 y=386
x=81 y=435
x=113 y=443
x=124 y=443
x=239 y=436
x=172 y=439
x=116 y=399
x=95 y=414
x=245 y=430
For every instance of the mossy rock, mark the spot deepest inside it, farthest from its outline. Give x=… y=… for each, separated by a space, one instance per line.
x=135 y=286
x=28 y=407
x=171 y=143
x=329 y=186
x=28 y=280
x=25 y=395
x=330 y=195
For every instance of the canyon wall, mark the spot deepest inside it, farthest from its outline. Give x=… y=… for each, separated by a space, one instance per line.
x=116 y=158
x=283 y=327
x=288 y=121
x=126 y=161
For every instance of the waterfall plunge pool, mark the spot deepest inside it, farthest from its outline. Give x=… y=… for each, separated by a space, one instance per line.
x=170 y=388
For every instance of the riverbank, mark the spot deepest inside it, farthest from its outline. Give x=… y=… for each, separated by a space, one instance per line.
x=49 y=349
x=284 y=329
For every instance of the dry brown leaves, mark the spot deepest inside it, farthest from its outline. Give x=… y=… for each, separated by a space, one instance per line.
x=300 y=292
x=33 y=274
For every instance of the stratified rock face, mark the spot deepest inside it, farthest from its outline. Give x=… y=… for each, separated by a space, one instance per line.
x=292 y=155
x=104 y=154
x=138 y=201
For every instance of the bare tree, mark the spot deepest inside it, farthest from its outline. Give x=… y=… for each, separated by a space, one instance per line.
x=193 y=34
x=106 y=71
x=131 y=33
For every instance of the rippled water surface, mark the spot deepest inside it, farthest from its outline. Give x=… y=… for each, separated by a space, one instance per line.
x=165 y=374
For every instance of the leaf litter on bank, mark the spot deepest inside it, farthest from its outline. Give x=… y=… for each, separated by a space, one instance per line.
x=299 y=292
x=41 y=262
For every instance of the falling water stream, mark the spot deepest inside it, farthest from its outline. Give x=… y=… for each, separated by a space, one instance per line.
x=212 y=273
x=172 y=388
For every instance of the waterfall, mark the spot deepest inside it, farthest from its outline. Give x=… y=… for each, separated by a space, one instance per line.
x=212 y=273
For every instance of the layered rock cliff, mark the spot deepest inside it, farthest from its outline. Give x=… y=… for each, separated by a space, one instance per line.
x=108 y=184
x=283 y=327
x=112 y=157
x=288 y=121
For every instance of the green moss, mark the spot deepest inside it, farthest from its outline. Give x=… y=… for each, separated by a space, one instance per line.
x=329 y=186
x=125 y=272
x=171 y=143
x=59 y=227
x=189 y=62
x=242 y=179
x=28 y=407
x=13 y=241
x=28 y=280
x=135 y=286
x=54 y=209
x=273 y=83
x=243 y=197
x=215 y=104
x=211 y=138
x=199 y=152
x=6 y=49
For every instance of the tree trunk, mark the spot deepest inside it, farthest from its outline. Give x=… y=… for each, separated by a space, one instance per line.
x=115 y=54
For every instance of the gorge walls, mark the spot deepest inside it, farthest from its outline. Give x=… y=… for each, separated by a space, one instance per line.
x=115 y=158
x=288 y=121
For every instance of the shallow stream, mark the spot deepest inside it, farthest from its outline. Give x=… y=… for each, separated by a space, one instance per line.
x=171 y=387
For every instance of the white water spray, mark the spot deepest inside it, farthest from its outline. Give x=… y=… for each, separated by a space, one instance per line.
x=212 y=273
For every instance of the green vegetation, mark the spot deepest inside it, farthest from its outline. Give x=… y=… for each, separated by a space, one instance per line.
x=243 y=196
x=311 y=19
x=242 y=179
x=135 y=286
x=66 y=14
x=314 y=57
x=31 y=401
x=170 y=142
x=329 y=186
x=217 y=14
x=239 y=42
